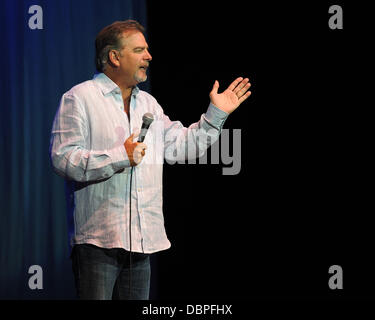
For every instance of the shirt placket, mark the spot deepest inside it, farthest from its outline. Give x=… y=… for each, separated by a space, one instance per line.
x=138 y=182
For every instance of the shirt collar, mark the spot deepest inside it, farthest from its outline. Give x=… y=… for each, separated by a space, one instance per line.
x=106 y=85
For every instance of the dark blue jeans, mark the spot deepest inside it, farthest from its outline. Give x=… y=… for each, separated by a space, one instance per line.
x=103 y=274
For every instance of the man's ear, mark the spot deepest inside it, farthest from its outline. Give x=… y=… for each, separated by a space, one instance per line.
x=114 y=58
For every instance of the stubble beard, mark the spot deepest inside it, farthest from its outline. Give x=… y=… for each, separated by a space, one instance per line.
x=140 y=79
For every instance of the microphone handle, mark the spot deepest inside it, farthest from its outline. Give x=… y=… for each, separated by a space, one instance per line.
x=143 y=132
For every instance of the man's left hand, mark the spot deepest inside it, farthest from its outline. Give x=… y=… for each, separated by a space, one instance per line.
x=230 y=99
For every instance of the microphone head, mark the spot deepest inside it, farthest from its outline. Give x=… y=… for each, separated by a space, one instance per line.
x=148 y=118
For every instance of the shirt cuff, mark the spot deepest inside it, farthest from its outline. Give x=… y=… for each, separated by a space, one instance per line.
x=215 y=116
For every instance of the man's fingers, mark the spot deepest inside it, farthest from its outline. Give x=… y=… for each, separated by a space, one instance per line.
x=140 y=149
x=135 y=150
x=241 y=85
x=141 y=146
x=131 y=137
x=139 y=152
x=242 y=91
x=244 y=97
x=235 y=83
x=135 y=134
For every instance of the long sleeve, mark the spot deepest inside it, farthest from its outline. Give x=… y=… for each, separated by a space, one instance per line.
x=182 y=143
x=70 y=151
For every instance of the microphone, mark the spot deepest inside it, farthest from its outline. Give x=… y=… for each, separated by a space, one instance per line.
x=147 y=120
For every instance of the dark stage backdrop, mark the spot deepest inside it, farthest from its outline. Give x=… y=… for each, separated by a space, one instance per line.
x=37 y=67
x=302 y=200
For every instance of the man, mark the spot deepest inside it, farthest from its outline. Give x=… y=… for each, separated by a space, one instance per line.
x=93 y=148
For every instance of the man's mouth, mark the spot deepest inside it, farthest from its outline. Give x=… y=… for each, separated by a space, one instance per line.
x=143 y=67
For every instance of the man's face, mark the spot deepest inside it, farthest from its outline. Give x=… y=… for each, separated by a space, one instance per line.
x=134 y=58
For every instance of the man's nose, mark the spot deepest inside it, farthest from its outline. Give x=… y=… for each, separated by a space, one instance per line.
x=148 y=56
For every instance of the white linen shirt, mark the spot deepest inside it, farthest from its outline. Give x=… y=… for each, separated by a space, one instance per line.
x=87 y=149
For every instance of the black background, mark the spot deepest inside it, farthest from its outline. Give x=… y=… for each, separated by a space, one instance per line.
x=302 y=200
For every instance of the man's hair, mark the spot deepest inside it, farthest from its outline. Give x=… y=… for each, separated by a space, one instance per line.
x=110 y=38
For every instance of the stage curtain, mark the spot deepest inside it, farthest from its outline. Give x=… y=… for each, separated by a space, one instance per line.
x=37 y=67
